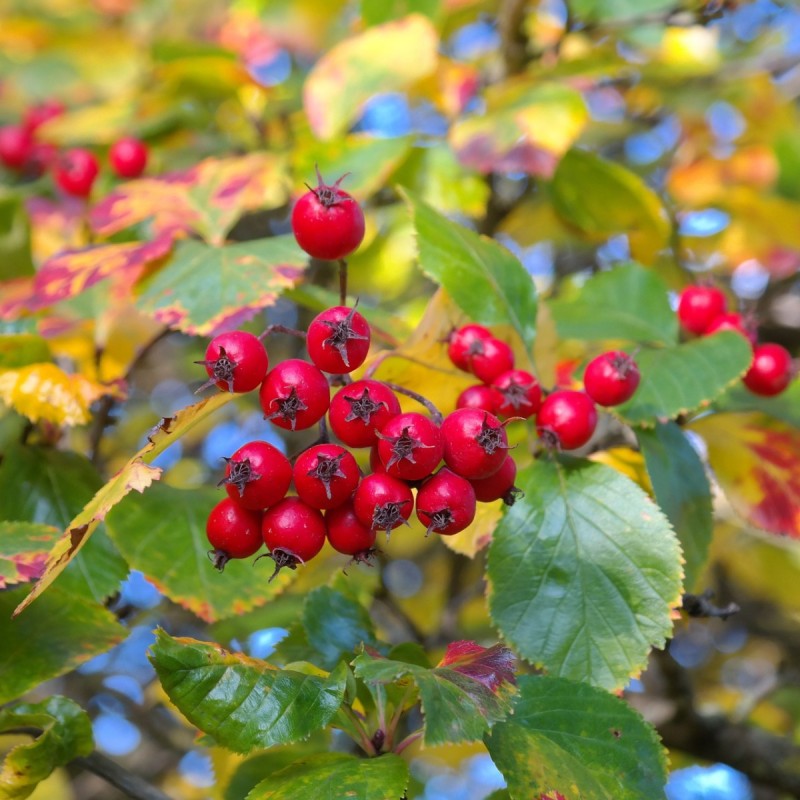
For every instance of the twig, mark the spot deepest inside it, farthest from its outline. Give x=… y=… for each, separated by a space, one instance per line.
x=700 y=605
x=281 y=329
x=438 y=418
x=128 y=783
x=342 y=282
x=513 y=41
x=409 y=740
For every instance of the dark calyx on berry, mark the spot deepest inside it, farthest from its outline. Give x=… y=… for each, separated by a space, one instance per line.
x=439 y=520
x=284 y=559
x=363 y=407
x=491 y=439
x=240 y=475
x=388 y=516
x=221 y=370
x=516 y=395
x=219 y=558
x=329 y=194
x=403 y=447
x=287 y=408
x=327 y=469
x=341 y=333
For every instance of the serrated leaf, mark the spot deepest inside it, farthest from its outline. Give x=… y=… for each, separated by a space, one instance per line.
x=583 y=571
x=617 y=10
x=677 y=380
x=23 y=551
x=627 y=302
x=244 y=703
x=525 y=127
x=460 y=702
x=756 y=460
x=336 y=776
x=204 y=289
x=335 y=625
x=602 y=199
x=21 y=349
x=66 y=734
x=486 y=281
x=137 y=474
x=162 y=533
x=58 y=634
x=573 y=740
x=682 y=490
x=339 y=84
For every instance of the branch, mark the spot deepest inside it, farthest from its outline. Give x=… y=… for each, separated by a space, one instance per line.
x=513 y=41
x=128 y=783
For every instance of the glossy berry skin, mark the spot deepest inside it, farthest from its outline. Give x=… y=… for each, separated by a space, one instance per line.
x=128 y=157
x=771 y=370
x=495 y=359
x=499 y=486
x=480 y=396
x=235 y=361
x=327 y=222
x=338 y=340
x=294 y=528
x=295 y=395
x=75 y=172
x=346 y=533
x=612 y=378
x=16 y=146
x=410 y=446
x=233 y=531
x=382 y=502
x=360 y=409
x=731 y=322
x=466 y=342
x=567 y=419
x=475 y=443
x=446 y=503
x=520 y=392
x=257 y=476
x=325 y=475
x=699 y=306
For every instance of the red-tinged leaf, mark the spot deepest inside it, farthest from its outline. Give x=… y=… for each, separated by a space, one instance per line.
x=206 y=199
x=23 y=551
x=56 y=225
x=553 y=796
x=491 y=666
x=756 y=459
x=68 y=274
x=14 y=297
x=137 y=475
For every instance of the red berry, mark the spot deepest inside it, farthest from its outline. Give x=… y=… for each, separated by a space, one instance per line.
x=338 y=340
x=480 y=396
x=327 y=222
x=382 y=502
x=75 y=172
x=235 y=361
x=128 y=157
x=611 y=378
x=234 y=532
x=498 y=486
x=475 y=443
x=347 y=534
x=42 y=158
x=294 y=533
x=771 y=370
x=520 y=392
x=16 y=146
x=466 y=342
x=567 y=419
x=257 y=475
x=295 y=395
x=699 y=306
x=732 y=322
x=325 y=475
x=495 y=359
x=410 y=446
x=37 y=115
x=361 y=409
x=446 y=503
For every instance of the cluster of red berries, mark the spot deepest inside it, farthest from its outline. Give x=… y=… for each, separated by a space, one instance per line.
x=74 y=170
x=703 y=310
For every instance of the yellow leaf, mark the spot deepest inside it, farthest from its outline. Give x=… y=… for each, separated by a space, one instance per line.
x=693 y=49
x=479 y=534
x=627 y=461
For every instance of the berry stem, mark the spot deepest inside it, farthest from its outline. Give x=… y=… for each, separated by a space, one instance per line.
x=398 y=712
x=342 y=282
x=409 y=740
x=434 y=412
x=282 y=329
x=363 y=739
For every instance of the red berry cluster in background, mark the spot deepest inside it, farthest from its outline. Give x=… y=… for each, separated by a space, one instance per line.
x=703 y=310
x=74 y=170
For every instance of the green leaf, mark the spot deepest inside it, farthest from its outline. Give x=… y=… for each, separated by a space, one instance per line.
x=583 y=572
x=627 y=302
x=785 y=406
x=23 y=550
x=466 y=694
x=57 y=634
x=682 y=490
x=677 y=380
x=335 y=625
x=203 y=289
x=15 y=238
x=602 y=199
x=244 y=703
x=163 y=533
x=336 y=776
x=486 y=281
x=617 y=10
x=66 y=734
x=577 y=740
x=375 y=12
x=21 y=349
